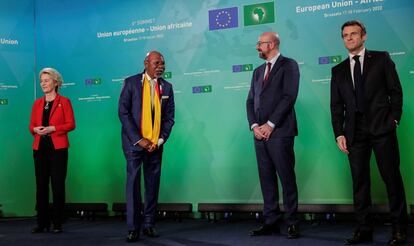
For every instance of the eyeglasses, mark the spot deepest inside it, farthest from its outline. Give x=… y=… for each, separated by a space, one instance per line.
x=264 y=42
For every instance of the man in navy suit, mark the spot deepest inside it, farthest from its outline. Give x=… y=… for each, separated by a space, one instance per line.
x=271 y=116
x=366 y=108
x=146 y=111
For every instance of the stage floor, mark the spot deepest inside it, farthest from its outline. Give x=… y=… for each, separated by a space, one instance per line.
x=112 y=231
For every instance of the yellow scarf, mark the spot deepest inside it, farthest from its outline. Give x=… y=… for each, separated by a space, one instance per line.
x=150 y=128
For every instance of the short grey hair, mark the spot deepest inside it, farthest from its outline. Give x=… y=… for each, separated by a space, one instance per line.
x=54 y=74
x=276 y=38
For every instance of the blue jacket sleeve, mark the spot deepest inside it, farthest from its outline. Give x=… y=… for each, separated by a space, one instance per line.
x=125 y=113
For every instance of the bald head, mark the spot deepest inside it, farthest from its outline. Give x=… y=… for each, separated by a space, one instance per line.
x=268 y=45
x=154 y=64
x=272 y=36
x=153 y=53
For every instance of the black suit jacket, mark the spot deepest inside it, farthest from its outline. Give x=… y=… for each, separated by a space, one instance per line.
x=275 y=102
x=383 y=96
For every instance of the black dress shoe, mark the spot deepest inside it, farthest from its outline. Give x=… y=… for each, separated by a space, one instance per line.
x=132 y=236
x=293 y=231
x=57 y=229
x=265 y=230
x=360 y=236
x=398 y=237
x=150 y=232
x=40 y=229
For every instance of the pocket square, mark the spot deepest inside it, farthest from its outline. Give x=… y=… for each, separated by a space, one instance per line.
x=165 y=97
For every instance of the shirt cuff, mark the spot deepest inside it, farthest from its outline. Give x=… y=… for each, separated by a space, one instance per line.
x=138 y=141
x=271 y=124
x=339 y=137
x=253 y=126
x=160 y=142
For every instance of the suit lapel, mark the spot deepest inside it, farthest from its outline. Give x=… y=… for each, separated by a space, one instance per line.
x=348 y=76
x=160 y=85
x=141 y=82
x=56 y=104
x=259 y=82
x=367 y=65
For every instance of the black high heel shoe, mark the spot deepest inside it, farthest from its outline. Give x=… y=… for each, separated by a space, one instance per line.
x=40 y=229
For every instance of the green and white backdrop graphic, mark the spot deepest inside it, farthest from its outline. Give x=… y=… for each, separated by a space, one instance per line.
x=209 y=47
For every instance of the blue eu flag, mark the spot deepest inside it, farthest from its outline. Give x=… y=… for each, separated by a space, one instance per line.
x=324 y=60
x=237 y=68
x=223 y=18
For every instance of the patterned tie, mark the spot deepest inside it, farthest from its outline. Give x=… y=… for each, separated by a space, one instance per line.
x=269 y=65
x=358 y=83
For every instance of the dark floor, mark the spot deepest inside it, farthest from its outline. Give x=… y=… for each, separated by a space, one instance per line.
x=189 y=232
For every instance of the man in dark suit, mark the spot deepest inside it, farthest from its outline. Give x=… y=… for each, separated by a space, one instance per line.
x=146 y=111
x=271 y=116
x=366 y=107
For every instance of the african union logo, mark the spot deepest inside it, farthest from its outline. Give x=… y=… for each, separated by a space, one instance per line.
x=4 y=101
x=167 y=75
x=329 y=59
x=223 y=18
x=96 y=81
x=260 y=13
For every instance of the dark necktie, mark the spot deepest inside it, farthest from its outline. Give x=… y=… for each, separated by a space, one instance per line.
x=269 y=66
x=358 y=83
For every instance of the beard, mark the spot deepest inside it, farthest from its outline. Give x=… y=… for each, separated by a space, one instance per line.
x=158 y=73
x=262 y=55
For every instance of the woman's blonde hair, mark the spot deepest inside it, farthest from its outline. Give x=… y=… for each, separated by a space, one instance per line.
x=54 y=74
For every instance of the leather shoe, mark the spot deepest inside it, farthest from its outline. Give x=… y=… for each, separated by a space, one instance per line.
x=132 y=236
x=57 y=229
x=398 y=237
x=40 y=229
x=150 y=232
x=293 y=231
x=265 y=230
x=360 y=236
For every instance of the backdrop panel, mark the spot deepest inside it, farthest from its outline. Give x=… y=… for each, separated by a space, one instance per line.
x=16 y=98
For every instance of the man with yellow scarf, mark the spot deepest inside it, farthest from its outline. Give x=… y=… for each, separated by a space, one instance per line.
x=146 y=111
